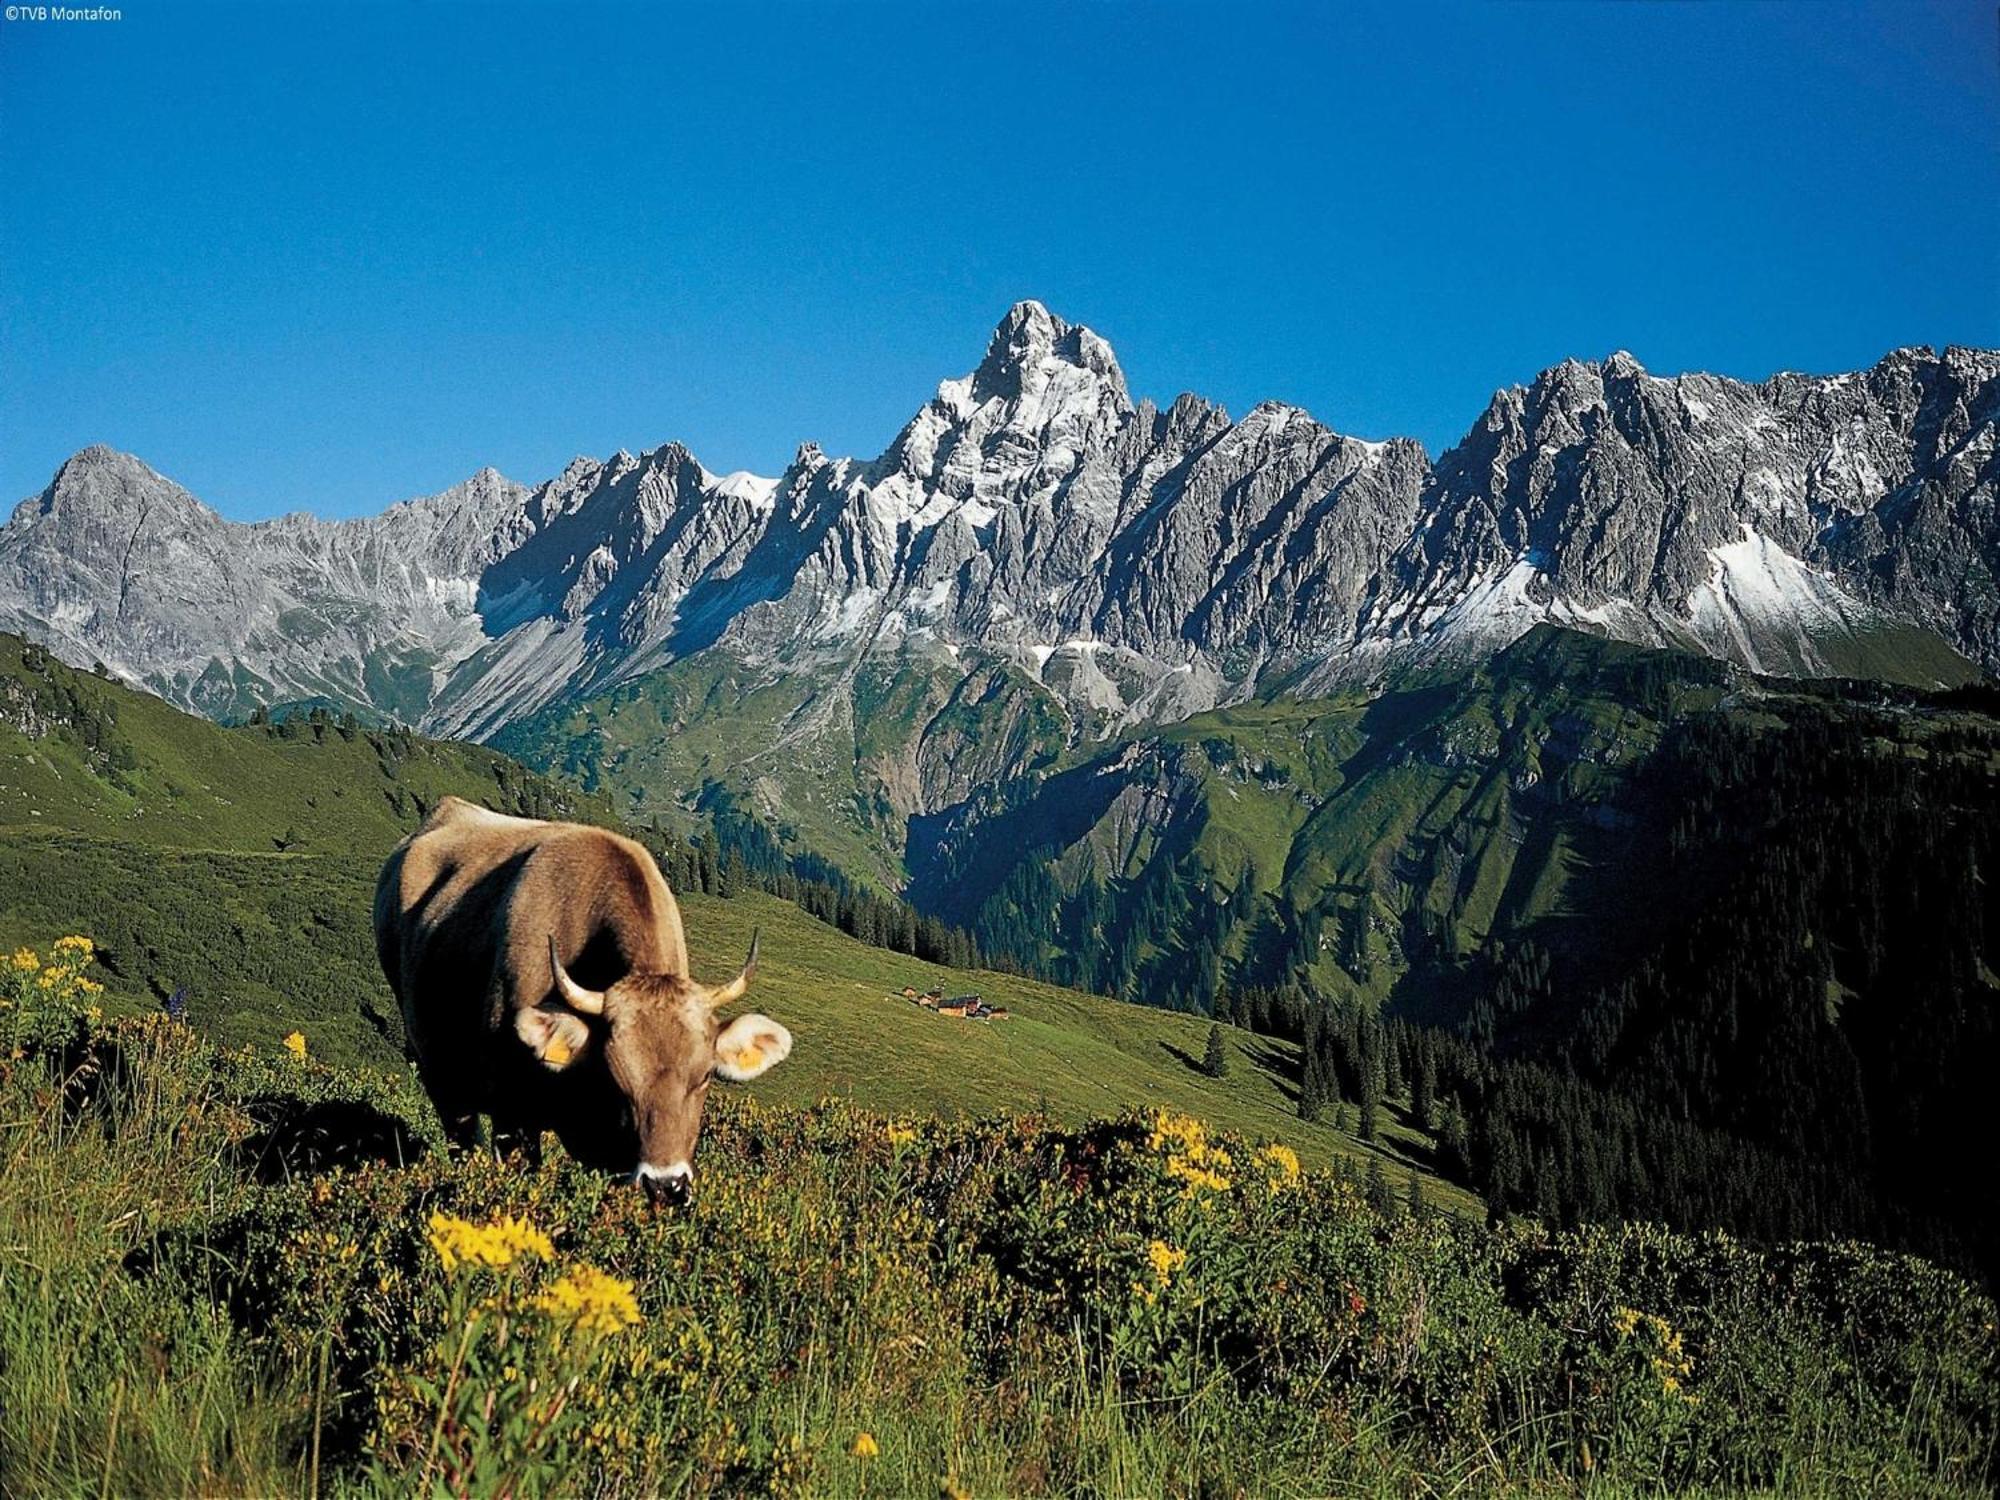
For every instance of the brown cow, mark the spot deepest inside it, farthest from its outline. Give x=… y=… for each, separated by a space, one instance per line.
x=543 y=978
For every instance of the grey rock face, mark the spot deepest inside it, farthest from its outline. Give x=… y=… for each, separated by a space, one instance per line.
x=1770 y=524
x=1142 y=564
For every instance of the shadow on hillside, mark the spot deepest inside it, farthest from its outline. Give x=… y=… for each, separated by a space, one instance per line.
x=334 y=1133
x=1275 y=1064
x=1186 y=1059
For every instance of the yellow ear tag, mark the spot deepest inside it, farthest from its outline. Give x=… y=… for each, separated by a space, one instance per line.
x=748 y=1058
x=557 y=1052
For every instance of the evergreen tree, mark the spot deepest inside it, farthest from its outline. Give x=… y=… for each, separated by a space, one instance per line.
x=1215 y=1061
x=1381 y=1197
x=1312 y=1091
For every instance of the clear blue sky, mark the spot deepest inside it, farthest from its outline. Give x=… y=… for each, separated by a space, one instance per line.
x=326 y=256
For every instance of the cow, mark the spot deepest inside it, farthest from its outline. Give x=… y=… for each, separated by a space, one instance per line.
x=543 y=978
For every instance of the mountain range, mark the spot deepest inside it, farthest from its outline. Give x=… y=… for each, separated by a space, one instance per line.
x=1039 y=562
x=1245 y=718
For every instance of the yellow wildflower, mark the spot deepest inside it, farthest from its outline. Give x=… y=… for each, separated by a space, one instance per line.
x=296 y=1045
x=865 y=1446
x=26 y=961
x=591 y=1300
x=1165 y=1259
x=78 y=945
x=1183 y=1140
x=901 y=1136
x=497 y=1244
x=1178 y=1132
x=1284 y=1162
x=1196 y=1178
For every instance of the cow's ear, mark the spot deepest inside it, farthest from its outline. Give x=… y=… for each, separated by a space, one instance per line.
x=557 y=1037
x=750 y=1045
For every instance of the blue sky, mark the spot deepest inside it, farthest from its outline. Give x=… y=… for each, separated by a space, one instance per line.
x=327 y=256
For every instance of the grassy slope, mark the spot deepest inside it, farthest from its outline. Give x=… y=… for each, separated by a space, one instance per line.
x=1412 y=829
x=1076 y=1055
x=178 y=875
x=834 y=765
x=193 y=1302
x=189 y=784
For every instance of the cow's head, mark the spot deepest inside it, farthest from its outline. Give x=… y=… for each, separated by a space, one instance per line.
x=663 y=1043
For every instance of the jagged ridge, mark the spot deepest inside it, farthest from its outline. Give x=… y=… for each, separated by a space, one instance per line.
x=1143 y=564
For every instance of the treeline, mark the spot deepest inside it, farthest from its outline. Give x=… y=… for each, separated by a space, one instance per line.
x=735 y=853
x=1831 y=995
x=1804 y=1051
x=1158 y=939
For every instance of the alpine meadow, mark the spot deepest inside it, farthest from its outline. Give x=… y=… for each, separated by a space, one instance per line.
x=1278 y=963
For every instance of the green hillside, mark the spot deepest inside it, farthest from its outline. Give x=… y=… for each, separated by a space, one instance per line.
x=1682 y=942
x=1373 y=849
x=237 y=863
x=240 y=864
x=1069 y=1054
x=837 y=768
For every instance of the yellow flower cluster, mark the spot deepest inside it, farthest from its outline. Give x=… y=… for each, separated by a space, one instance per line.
x=1283 y=1163
x=52 y=986
x=1191 y=1157
x=461 y=1242
x=865 y=1446
x=1172 y=1132
x=590 y=1300
x=1165 y=1260
x=1670 y=1360
x=296 y=1045
x=901 y=1136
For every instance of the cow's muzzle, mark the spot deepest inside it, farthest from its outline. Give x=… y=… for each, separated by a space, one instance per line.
x=669 y=1186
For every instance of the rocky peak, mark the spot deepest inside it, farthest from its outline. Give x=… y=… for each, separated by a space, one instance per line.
x=1033 y=348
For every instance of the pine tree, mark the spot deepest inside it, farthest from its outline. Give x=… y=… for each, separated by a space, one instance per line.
x=1381 y=1197
x=1215 y=1061
x=1312 y=1094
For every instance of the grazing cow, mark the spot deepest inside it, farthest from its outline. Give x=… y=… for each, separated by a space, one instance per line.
x=543 y=978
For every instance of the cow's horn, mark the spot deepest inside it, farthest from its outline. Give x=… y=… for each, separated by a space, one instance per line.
x=725 y=994
x=575 y=996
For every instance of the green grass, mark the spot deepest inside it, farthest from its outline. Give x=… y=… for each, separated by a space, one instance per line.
x=159 y=777
x=210 y=1283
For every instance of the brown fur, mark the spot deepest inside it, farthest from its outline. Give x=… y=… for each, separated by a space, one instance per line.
x=464 y=912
